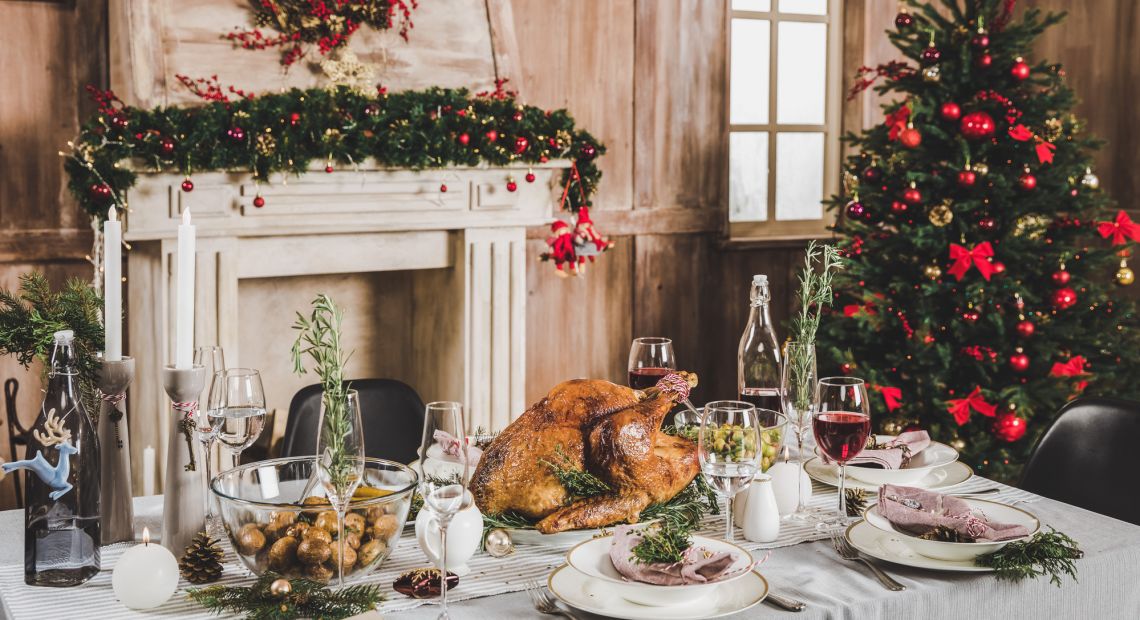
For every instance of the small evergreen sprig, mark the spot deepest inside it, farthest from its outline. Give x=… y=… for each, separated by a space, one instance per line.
x=577 y=482
x=307 y=599
x=815 y=289
x=665 y=543
x=1047 y=553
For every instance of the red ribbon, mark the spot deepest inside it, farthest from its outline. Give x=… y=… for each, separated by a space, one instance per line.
x=1120 y=230
x=1044 y=148
x=1072 y=368
x=960 y=407
x=891 y=395
x=978 y=257
x=1020 y=133
x=1045 y=151
x=896 y=121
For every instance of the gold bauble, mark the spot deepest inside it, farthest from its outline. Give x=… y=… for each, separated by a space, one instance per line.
x=932 y=271
x=958 y=444
x=1124 y=276
x=932 y=73
x=981 y=168
x=280 y=587
x=1090 y=180
x=892 y=427
x=498 y=543
x=941 y=215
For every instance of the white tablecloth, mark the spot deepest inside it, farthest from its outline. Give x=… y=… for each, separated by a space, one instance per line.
x=809 y=571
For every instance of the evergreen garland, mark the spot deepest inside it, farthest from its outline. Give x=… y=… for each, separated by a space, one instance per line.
x=306 y=599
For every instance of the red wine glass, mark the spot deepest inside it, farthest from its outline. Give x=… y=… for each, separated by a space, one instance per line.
x=649 y=360
x=841 y=424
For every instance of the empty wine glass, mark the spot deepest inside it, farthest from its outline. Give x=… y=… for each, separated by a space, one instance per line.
x=444 y=496
x=237 y=409
x=841 y=423
x=649 y=360
x=728 y=448
x=797 y=386
x=340 y=458
x=206 y=427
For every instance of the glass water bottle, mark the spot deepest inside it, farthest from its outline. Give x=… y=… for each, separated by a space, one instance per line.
x=758 y=357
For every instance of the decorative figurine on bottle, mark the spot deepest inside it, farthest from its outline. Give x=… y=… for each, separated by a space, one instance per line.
x=758 y=358
x=61 y=537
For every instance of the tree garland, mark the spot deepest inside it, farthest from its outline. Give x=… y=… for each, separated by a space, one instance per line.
x=285 y=132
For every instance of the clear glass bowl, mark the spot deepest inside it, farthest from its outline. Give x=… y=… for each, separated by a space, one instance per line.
x=774 y=427
x=276 y=520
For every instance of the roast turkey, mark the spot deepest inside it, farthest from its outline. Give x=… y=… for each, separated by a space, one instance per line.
x=609 y=430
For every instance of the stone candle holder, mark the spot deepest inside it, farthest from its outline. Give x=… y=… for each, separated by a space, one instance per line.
x=116 y=521
x=184 y=502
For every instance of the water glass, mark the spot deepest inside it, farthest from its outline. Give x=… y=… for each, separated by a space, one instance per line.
x=206 y=426
x=729 y=450
x=237 y=408
x=445 y=496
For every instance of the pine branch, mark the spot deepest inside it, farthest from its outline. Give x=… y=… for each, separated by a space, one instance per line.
x=1047 y=553
x=664 y=544
x=308 y=599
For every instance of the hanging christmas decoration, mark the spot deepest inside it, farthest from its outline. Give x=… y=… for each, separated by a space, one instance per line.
x=1124 y=275
x=980 y=40
x=910 y=137
x=912 y=195
x=512 y=186
x=1019 y=361
x=872 y=174
x=520 y=144
x=166 y=146
x=187 y=185
x=932 y=73
x=983 y=61
x=971 y=315
x=932 y=272
x=904 y=20
x=1121 y=229
x=1009 y=427
x=967 y=177
x=960 y=408
x=940 y=215
x=1090 y=180
x=464 y=139
x=1061 y=277
x=931 y=54
x=1063 y=298
x=950 y=111
x=981 y=168
x=530 y=177
x=987 y=223
x=977 y=125
x=999 y=267
x=855 y=209
x=1020 y=69
x=1025 y=328
x=898 y=208
x=258 y=201
x=979 y=256
x=1027 y=182
x=99 y=192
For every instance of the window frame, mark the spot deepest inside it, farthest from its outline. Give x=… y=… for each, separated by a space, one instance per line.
x=787 y=229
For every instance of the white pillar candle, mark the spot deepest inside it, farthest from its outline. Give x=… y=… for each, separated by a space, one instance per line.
x=148 y=471
x=184 y=300
x=113 y=286
x=145 y=576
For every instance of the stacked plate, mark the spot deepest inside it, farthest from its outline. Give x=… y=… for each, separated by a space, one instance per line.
x=936 y=468
x=589 y=582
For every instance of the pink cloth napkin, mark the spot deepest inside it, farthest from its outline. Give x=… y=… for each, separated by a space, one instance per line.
x=897 y=452
x=450 y=446
x=696 y=567
x=918 y=511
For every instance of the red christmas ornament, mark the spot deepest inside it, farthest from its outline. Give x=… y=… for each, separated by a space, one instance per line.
x=898 y=208
x=1025 y=328
x=999 y=267
x=967 y=178
x=1008 y=427
x=1064 y=298
x=187 y=185
x=846 y=368
x=1061 y=277
x=588 y=151
x=520 y=144
x=118 y=121
x=971 y=315
x=987 y=223
x=950 y=111
x=99 y=192
x=166 y=146
x=235 y=133
x=492 y=135
x=981 y=40
x=931 y=55
x=329 y=169
x=983 y=61
x=855 y=209
x=977 y=126
x=512 y=186
x=1019 y=70
x=872 y=174
x=443 y=188
x=518 y=115
x=464 y=139
x=912 y=196
x=910 y=137
x=904 y=20
x=530 y=177
x=294 y=119
x=1019 y=362
x=1027 y=182
x=258 y=202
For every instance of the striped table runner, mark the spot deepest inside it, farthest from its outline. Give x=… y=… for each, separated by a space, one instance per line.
x=95 y=599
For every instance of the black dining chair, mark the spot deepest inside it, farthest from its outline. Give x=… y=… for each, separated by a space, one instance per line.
x=1086 y=459
x=17 y=434
x=391 y=412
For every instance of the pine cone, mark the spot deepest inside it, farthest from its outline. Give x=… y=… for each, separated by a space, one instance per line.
x=856 y=502
x=202 y=562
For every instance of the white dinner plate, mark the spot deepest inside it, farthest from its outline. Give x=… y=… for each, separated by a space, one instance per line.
x=601 y=597
x=569 y=538
x=935 y=455
x=967 y=551
x=592 y=558
x=891 y=548
x=938 y=479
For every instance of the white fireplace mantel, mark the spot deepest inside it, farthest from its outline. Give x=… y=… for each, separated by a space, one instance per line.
x=467 y=245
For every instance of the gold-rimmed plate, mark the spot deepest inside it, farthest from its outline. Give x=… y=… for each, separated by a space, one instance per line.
x=938 y=479
x=891 y=548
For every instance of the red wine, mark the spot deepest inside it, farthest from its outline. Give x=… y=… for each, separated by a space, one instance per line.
x=642 y=378
x=762 y=398
x=841 y=435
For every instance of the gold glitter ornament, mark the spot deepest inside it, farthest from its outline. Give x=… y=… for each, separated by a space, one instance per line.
x=941 y=215
x=280 y=588
x=932 y=272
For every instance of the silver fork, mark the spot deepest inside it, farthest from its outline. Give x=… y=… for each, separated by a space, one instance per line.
x=847 y=552
x=544 y=603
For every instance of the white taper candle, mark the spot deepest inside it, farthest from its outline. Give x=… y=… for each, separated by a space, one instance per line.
x=184 y=300
x=113 y=286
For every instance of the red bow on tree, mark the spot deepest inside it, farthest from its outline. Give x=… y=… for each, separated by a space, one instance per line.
x=1120 y=230
x=1044 y=148
x=1020 y=133
x=978 y=257
x=891 y=395
x=960 y=407
x=896 y=121
x=1075 y=367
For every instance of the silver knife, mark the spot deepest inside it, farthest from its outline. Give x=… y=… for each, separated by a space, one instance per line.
x=789 y=604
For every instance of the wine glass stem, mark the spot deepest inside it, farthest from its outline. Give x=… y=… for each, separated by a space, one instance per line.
x=206 y=452
x=443 y=565
x=801 y=507
x=728 y=520
x=842 y=494
x=340 y=545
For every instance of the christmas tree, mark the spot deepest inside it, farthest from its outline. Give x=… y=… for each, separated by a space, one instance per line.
x=983 y=258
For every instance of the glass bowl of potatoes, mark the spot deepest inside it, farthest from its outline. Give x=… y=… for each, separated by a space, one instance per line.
x=277 y=518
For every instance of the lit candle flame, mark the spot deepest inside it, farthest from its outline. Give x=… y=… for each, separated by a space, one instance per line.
x=146 y=535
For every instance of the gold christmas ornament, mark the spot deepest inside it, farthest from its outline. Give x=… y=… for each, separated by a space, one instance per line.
x=932 y=73
x=1124 y=275
x=941 y=215
x=1090 y=180
x=498 y=543
x=280 y=588
x=932 y=272
x=981 y=168
x=892 y=427
x=958 y=444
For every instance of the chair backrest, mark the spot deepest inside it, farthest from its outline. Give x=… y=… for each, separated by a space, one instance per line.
x=17 y=434
x=1085 y=458
x=391 y=412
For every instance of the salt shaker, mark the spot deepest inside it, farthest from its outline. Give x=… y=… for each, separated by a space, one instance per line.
x=761 y=515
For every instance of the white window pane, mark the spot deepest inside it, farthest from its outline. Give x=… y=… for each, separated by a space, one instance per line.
x=751 y=5
x=803 y=7
x=799 y=176
x=801 y=73
x=748 y=177
x=749 y=79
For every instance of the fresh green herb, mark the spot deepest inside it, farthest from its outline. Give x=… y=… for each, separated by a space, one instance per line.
x=307 y=599
x=687 y=508
x=814 y=295
x=664 y=543
x=577 y=482
x=319 y=337
x=507 y=520
x=1047 y=553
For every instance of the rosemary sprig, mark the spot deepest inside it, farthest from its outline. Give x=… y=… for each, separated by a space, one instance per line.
x=687 y=508
x=814 y=294
x=663 y=543
x=577 y=482
x=307 y=599
x=506 y=520
x=1047 y=553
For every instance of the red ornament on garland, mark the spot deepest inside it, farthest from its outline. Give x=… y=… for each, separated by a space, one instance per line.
x=977 y=126
x=1061 y=277
x=517 y=116
x=329 y=169
x=898 y=208
x=294 y=119
x=931 y=54
x=855 y=209
x=1019 y=70
x=99 y=192
x=1025 y=328
x=187 y=185
x=530 y=177
x=904 y=20
x=912 y=196
x=971 y=315
x=984 y=61
x=950 y=111
x=512 y=186
x=1008 y=427
x=910 y=137
x=520 y=144
x=981 y=40
x=588 y=151
x=258 y=201
x=464 y=139
x=999 y=267
x=371 y=109
x=235 y=133
x=987 y=223
x=166 y=145
x=1027 y=182
x=443 y=188
x=492 y=135
x=967 y=178
x=1064 y=298
x=118 y=121
x=1019 y=362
